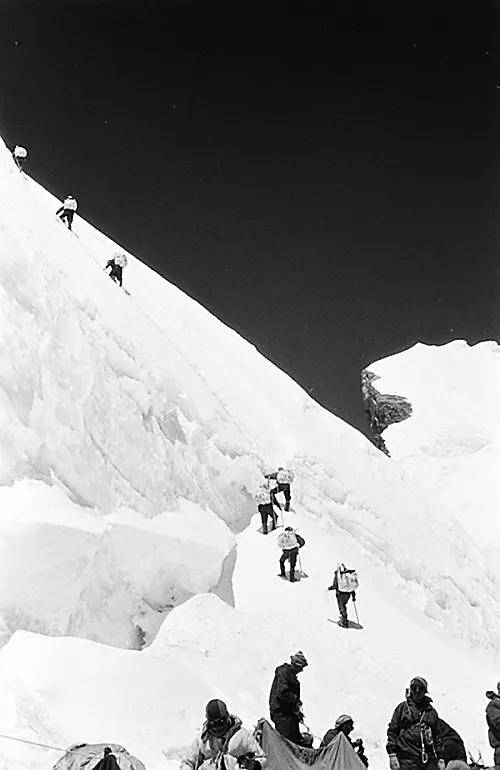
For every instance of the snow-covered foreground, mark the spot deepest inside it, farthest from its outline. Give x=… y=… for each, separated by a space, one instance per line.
x=134 y=431
x=152 y=701
x=451 y=443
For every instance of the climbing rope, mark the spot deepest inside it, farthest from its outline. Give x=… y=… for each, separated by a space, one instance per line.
x=32 y=743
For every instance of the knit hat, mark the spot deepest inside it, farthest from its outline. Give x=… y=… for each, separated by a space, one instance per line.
x=299 y=659
x=215 y=710
x=288 y=529
x=343 y=719
x=419 y=681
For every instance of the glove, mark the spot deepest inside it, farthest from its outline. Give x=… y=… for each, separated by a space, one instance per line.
x=330 y=588
x=393 y=762
x=441 y=764
x=358 y=743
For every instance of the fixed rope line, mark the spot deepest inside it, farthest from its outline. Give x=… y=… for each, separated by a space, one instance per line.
x=32 y=743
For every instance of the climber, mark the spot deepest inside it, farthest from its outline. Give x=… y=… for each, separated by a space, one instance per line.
x=223 y=735
x=413 y=740
x=493 y=722
x=290 y=542
x=284 y=478
x=117 y=263
x=108 y=761
x=265 y=507
x=67 y=210
x=345 y=582
x=20 y=154
x=453 y=745
x=285 y=705
x=345 y=724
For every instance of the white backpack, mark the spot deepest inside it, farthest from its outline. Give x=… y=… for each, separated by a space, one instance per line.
x=20 y=152
x=347 y=580
x=284 y=476
x=287 y=540
x=120 y=259
x=263 y=494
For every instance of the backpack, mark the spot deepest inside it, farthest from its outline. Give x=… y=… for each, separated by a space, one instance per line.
x=347 y=579
x=263 y=494
x=284 y=476
x=121 y=260
x=287 y=540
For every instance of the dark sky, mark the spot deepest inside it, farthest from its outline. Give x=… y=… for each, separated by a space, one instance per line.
x=324 y=177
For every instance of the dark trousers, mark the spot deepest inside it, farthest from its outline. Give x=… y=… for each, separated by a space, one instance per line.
x=68 y=215
x=496 y=756
x=116 y=274
x=285 y=488
x=291 y=556
x=342 y=599
x=288 y=727
x=266 y=510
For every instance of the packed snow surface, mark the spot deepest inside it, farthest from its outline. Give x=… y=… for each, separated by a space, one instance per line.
x=134 y=431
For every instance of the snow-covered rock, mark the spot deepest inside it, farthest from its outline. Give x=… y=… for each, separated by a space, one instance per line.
x=451 y=442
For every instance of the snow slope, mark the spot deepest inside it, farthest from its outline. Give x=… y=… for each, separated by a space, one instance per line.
x=133 y=433
x=152 y=701
x=451 y=444
x=140 y=402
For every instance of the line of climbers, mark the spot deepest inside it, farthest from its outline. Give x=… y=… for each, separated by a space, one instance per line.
x=417 y=738
x=345 y=581
x=66 y=214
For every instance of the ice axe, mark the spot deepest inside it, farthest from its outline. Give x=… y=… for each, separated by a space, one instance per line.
x=356 y=611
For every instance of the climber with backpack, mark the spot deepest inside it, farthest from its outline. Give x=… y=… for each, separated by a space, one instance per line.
x=283 y=477
x=117 y=263
x=223 y=742
x=265 y=507
x=345 y=583
x=413 y=738
x=289 y=541
x=20 y=154
x=68 y=210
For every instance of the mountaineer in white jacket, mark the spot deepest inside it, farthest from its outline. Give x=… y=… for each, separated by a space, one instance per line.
x=223 y=736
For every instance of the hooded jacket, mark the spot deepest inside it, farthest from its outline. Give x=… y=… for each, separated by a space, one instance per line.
x=493 y=719
x=284 y=698
x=236 y=741
x=404 y=730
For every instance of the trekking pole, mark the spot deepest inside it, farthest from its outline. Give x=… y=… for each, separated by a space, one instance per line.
x=300 y=563
x=356 y=611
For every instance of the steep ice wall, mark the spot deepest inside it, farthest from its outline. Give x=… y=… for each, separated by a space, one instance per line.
x=451 y=443
x=64 y=570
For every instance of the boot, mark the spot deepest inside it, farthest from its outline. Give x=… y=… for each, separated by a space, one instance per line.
x=293 y=579
x=287 y=506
